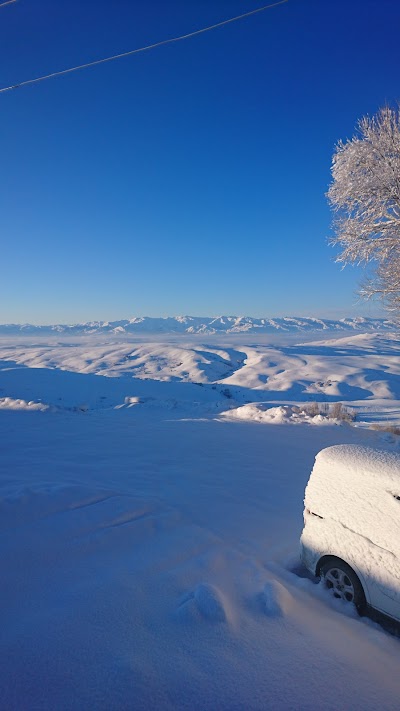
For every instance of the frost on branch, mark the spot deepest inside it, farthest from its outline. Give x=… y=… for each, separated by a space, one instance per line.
x=365 y=196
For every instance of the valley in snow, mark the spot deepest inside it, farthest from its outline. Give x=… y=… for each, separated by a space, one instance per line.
x=151 y=505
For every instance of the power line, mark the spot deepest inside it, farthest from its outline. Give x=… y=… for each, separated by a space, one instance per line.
x=140 y=49
x=7 y=2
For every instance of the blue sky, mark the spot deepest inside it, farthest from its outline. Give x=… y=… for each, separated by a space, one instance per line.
x=190 y=179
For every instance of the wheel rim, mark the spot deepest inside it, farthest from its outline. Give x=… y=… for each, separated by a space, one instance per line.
x=340 y=584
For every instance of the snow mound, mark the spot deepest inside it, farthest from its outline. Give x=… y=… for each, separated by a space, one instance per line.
x=205 y=601
x=209 y=602
x=275 y=599
x=130 y=401
x=9 y=403
x=284 y=414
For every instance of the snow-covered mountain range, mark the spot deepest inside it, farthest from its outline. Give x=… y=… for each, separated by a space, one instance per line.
x=204 y=325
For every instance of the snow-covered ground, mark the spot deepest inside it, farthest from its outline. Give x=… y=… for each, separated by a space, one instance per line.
x=361 y=370
x=150 y=517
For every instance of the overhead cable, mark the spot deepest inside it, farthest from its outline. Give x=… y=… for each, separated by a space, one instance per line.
x=7 y=2
x=140 y=49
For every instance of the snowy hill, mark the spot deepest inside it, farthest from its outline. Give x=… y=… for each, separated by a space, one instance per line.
x=360 y=369
x=203 y=325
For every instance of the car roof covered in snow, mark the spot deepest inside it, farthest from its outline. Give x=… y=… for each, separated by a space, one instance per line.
x=361 y=462
x=357 y=488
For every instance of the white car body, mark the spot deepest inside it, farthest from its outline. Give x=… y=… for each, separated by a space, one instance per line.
x=352 y=512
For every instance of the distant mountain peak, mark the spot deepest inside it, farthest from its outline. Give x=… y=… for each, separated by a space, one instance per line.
x=205 y=325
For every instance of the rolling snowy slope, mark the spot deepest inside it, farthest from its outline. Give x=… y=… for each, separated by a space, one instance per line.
x=360 y=370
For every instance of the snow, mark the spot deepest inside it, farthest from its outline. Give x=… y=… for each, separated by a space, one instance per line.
x=149 y=542
x=357 y=486
x=9 y=403
x=361 y=371
x=355 y=493
x=361 y=466
x=275 y=415
x=202 y=325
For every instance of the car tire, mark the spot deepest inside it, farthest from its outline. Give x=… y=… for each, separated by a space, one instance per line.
x=343 y=582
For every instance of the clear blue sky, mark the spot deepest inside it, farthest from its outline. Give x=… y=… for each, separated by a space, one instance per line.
x=189 y=179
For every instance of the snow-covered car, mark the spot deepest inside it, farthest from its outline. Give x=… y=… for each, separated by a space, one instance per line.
x=351 y=534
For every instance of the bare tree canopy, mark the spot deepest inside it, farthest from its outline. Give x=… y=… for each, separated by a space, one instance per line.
x=365 y=196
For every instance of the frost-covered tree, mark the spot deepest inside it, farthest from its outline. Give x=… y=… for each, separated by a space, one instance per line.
x=365 y=196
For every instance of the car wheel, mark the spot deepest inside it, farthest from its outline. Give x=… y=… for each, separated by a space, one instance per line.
x=342 y=581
